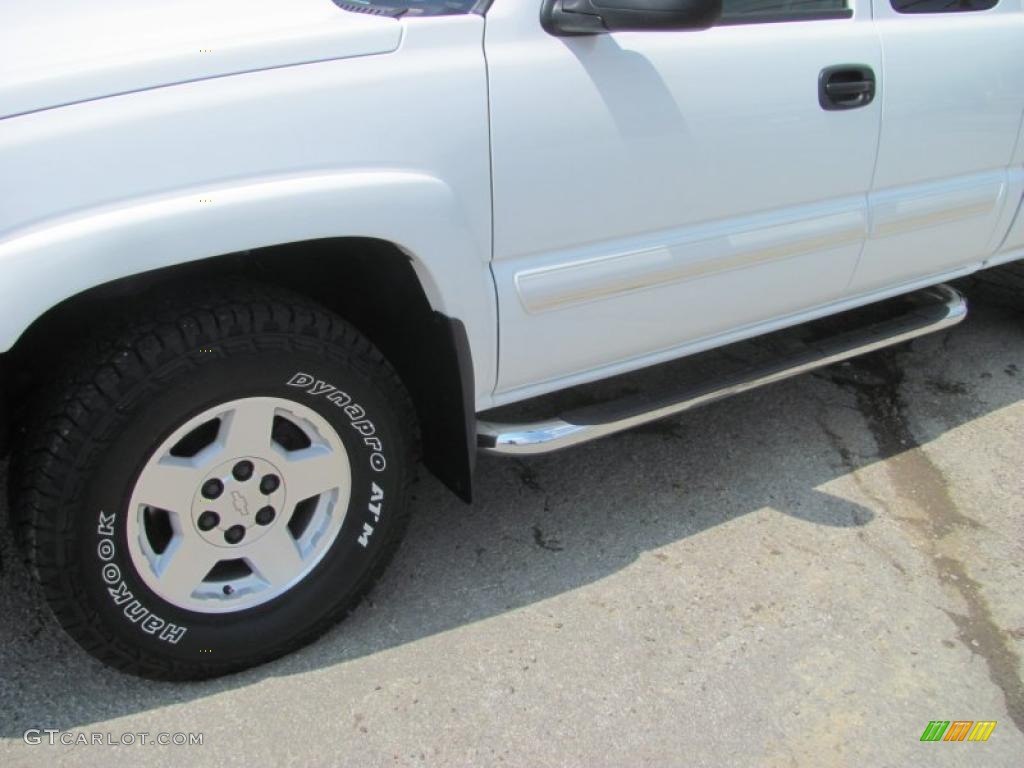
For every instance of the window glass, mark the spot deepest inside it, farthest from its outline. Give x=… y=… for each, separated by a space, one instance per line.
x=942 y=6
x=407 y=7
x=758 y=11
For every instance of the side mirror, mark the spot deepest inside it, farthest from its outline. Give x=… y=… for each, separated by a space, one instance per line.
x=565 y=18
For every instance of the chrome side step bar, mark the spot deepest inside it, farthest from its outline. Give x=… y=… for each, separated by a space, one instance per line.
x=939 y=307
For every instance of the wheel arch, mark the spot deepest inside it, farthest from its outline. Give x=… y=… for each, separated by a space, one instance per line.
x=373 y=283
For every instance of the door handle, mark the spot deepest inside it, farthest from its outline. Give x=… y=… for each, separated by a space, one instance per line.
x=846 y=86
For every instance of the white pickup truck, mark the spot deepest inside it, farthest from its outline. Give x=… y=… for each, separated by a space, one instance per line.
x=260 y=257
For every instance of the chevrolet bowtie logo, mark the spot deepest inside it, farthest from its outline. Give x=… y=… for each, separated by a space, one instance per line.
x=239 y=503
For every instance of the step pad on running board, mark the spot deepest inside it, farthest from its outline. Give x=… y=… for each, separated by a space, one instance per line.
x=728 y=371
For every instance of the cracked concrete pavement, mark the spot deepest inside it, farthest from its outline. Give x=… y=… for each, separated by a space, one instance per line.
x=804 y=575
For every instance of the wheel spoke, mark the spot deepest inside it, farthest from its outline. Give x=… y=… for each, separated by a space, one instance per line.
x=275 y=557
x=313 y=471
x=184 y=565
x=245 y=429
x=168 y=484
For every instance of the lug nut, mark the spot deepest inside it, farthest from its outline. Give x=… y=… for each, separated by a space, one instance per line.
x=269 y=484
x=234 y=534
x=208 y=521
x=242 y=471
x=228 y=590
x=212 y=488
x=265 y=516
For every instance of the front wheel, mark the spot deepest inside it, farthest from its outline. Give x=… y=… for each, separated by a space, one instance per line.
x=217 y=486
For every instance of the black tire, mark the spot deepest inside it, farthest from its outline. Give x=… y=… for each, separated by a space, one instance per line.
x=91 y=438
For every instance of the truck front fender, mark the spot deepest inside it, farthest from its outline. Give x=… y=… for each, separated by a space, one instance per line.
x=47 y=263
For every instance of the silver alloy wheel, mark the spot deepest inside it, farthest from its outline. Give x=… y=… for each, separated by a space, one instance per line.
x=238 y=505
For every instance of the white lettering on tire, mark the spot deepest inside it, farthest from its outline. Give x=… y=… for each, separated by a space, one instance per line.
x=374 y=509
x=355 y=412
x=119 y=593
x=366 y=429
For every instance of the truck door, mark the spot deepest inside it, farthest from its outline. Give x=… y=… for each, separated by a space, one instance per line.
x=952 y=96
x=659 y=191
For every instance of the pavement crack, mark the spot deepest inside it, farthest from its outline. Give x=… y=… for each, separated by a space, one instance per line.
x=876 y=382
x=847 y=459
x=846 y=455
x=979 y=633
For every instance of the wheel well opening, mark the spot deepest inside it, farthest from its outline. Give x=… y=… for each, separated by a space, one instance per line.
x=371 y=283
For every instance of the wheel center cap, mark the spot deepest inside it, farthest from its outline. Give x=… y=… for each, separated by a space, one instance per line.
x=238 y=501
